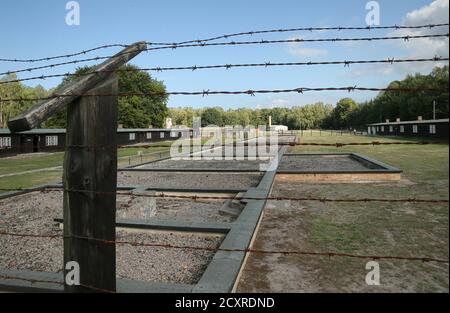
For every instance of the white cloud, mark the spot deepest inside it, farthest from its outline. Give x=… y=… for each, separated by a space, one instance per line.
x=280 y=102
x=436 y=12
x=297 y=49
x=270 y=103
x=371 y=71
x=307 y=52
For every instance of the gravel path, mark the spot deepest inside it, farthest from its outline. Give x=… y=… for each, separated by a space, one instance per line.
x=189 y=180
x=34 y=213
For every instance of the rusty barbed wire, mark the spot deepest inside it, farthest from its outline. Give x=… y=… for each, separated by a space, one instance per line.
x=309 y=29
x=53 y=282
x=64 y=55
x=270 y=198
x=234 y=43
x=32 y=281
x=240 y=144
x=301 y=40
x=372 y=143
x=250 y=92
x=226 y=36
x=231 y=66
x=163 y=195
x=211 y=249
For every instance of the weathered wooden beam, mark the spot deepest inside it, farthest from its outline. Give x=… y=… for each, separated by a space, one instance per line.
x=90 y=180
x=41 y=111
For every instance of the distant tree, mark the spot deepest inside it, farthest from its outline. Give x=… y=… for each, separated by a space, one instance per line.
x=409 y=105
x=134 y=111
x=16 y=90
x=340 y=116
x=141 y=111
x=212 y=116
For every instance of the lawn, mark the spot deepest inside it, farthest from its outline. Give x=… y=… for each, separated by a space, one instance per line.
x=397 y=229
x=419 y=162
x=22 y=163
x=126 y=156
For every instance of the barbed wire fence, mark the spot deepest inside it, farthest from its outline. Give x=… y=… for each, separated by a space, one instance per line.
x=232 y=66
x=250 y=92
x=209 y=42
x=163 y=195
x=290 y=144
x=227 y=36
x=236 y=43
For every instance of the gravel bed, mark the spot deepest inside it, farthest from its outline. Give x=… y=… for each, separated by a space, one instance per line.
x=190 y=180
x=254 y=165
x=31 y=213
x=321 y=163
x=165 y=264
x=34 y=213
x=142 y=208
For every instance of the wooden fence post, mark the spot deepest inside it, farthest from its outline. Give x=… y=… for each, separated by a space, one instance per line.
x=90 y=168
x=90 y=180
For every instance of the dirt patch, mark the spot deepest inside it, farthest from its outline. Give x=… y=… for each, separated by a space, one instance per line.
x=396 y=229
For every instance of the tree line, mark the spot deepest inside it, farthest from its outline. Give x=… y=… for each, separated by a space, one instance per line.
x=16 y=90
x=301 y=117
x=404 y=105
x=346 y=114
x=133 y=111
x=146 y=111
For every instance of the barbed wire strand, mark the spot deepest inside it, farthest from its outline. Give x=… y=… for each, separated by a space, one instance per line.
x=231 y=66
x=234 y=43
x=64 y=55
x=53 y=282
x=199 y=197
x=226 y=36
x=211 y=249
x=292 y=144
x=250 y=92
x=309 y=29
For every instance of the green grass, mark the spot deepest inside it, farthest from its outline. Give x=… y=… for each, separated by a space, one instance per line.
x=419 y=162
x=22 y=163
x=30 y=180
x=405 y=229
x=30 y=162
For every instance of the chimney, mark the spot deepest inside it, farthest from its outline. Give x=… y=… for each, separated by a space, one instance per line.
x=398 y=119
x=419 y=118
x=168 y=123
x=270 y=121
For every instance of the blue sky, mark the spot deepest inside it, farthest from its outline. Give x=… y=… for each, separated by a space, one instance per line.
x=32 y=29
